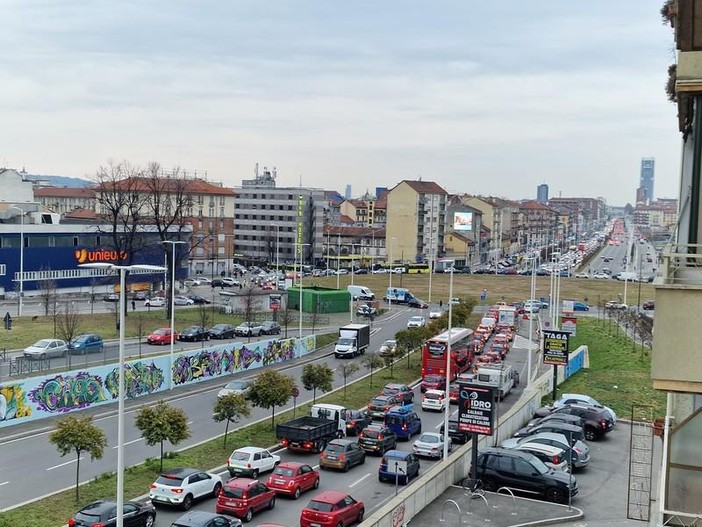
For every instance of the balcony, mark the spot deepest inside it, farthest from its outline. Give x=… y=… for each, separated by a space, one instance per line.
x=676 y=363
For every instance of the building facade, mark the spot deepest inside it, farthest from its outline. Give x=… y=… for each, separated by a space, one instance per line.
x=648 y=170
x=542 y=193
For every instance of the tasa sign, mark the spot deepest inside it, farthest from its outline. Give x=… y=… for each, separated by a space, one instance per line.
x=99 y=255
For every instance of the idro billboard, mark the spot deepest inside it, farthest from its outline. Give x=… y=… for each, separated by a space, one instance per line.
x=476 y=408
x=463 y=221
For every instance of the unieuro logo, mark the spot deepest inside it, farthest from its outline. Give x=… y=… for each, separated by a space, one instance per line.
x=99 y=255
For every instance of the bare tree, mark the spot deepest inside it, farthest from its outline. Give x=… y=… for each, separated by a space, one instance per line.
x=204 y=318
x=68 y=324
x=248 y=306
x=285 y=317
x=47 y=293
x=139 y=326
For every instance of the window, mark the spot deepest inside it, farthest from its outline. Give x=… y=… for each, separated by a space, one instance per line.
x=3 y=270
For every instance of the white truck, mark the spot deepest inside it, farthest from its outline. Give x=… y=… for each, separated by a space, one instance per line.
x=354 y=340
x=508 y=317
x=503 y=378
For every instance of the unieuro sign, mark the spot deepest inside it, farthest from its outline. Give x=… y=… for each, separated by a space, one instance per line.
x=100 y=255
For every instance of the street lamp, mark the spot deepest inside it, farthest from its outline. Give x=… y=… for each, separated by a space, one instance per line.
x=21 y=273
x=277 y=254
x=447 y=408
x=120 y=397
x=390 y=269
x=352 y=272
x=532 y=296
x=299 y=283
x=173 y=266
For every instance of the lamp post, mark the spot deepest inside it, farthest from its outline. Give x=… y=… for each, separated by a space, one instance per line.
x=21 y=273
x=531 y=317
x=122 y=269
x=338 y=256
x=173 y=267
x=277 y=254
x=352 y=272
x=299 y=284
x=447 y=408
x=390 y=270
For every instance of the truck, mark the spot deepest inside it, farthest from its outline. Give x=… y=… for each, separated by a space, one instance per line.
x=398 y=295
x=507 y=317
x=311 y=433
x=502 y=377
x=354 y=340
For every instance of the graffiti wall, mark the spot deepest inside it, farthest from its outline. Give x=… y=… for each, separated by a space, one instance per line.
x=60 y=393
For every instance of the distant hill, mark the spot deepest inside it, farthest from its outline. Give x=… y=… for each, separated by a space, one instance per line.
x=59 y=181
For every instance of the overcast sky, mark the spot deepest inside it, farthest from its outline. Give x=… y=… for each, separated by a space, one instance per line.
x=491 y=97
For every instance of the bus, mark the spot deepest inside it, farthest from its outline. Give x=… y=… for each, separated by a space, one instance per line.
x=434 y=353
x=414 y=268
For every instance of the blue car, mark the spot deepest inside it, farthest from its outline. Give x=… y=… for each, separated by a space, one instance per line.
x=398 y=465
x=86 y=343
x=580 y=306
x=404 y=421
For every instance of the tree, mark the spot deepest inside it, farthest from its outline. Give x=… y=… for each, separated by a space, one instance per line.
x=270 y=389
x=373 y=361
x=346 y=370
x=162 y=422
x=248 y=299
x=389 y=359
x=78 y=434
x=317 y=377
x=408 y=341
x=204 y=318
x=230 y=408
x=285 y=318
x=68 y=323
x=47 y=292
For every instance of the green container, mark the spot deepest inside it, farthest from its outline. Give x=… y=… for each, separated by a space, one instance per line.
x=323 y=300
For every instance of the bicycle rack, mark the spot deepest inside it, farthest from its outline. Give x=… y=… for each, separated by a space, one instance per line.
x=514 y=500
x=487 y=506
x=443 y=509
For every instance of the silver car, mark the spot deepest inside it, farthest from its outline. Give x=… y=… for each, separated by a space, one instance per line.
x=249 y=329
x=46 y=348
x=580 y=451
x=431 y=444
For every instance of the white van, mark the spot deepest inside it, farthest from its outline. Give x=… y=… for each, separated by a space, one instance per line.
x=359 y=292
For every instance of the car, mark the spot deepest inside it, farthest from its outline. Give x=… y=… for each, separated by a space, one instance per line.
x=356 y=421
x=574 y=398
x=432 y=382
x=648 y=305
x=435 y=313
x=523 y=472
x=454 y=391
x=45 y=349
x=112 y=297
x=578 y=454
x=434 y=400
x=403 y=421
x=182 y=301
x=454 y=301
x=331 y=509
x=596 y=420
x=417 y=303
x=251 y=461
x=242 y=497
x=238 y=387
x=270 y=327
x=389 y=347
x=615 y=304
x=580 y=306
x=431 y=444
x=205 y=519
x=601 y=276
x=380 y=270
x=342 y=271
x=381 y=404
x=398 y=467
x=222 y=331
x=162 y=336
x=199 y=300
x=396 y=388
x=194 y=333
x=365 y=310
x=398 y=270
x=532 y=306
x=156 y=301
x=267 y=286
x=249 y=329
x=86 y=343
x=292 y=479
x=103 y=513
x=377 y=439
x=342 y=454
x=416 y=322
x=582 y=275
x=555 y=417
x=230 y=282
x=180 y=487
x=455 y=434
x=574 y=433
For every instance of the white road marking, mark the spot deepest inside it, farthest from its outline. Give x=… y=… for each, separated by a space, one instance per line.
x=129 y=442
x=359 y=480
x=4 y=483
x=64 y=464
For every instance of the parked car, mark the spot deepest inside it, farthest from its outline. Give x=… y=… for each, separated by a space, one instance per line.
x=270 y=328
x=342 y=454
x=381 y=404
x=251 y=461
x=522 y=471
x=396 y=388
x=556 y=417
x=454 y=433
x=205 y=519
x=575 y=398
x=356 y=421
x=112 y=297
x=398 y=466
x=553 y=457
x=180 y=487
x=578 y=454
x=249 y=329
x=194 y=334
x=574 y=433
x=377 y=439
x=238 y=387
x=182 y=301
x=596 y=421
x=156 y=301
x=222 y=331
x=416 y=302
x=431 y=444
x=648 y=305
x=162 y=336
x=242 y=497
x=615 y=304
x=389 y=347
x=580 y=306
x=86 y=343
x=331 y=509
x=199 y=300
x=102 y=512
x=416 y=322
x=292 y=479
x=45 y=349
x=435 y=400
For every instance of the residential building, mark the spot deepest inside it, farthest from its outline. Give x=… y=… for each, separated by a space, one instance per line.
x=586 y=214
x=641 y=195
x=540 y=223
x=366 y=211
x=15 y=186
x=503 y=220
x=65 y=200
x=542 y=193
x=358 y=246
x=462 y=238
x=416 y=222
x=648 y=169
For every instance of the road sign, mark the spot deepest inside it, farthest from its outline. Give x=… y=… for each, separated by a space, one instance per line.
x=296 y=392
x=475 y=408
x=569 y=325
x=555 y=347
x=568 y=306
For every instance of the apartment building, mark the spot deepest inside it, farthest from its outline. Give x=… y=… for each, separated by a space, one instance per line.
x=359 y=246
x=503 y=220
x=66 y=200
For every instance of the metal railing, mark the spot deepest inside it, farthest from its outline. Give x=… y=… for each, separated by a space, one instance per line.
x=682 y=264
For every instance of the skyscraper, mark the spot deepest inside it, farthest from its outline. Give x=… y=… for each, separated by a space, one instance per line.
x=648 y=166
x=542 y=193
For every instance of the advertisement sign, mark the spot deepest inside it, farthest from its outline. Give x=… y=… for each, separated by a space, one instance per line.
x=476 y=408
x=463 y=221
x=555 y=347
x=274 y=302
x=568 y=324
x=568 y=306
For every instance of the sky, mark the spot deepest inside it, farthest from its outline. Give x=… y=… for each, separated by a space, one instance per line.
x=482 y=97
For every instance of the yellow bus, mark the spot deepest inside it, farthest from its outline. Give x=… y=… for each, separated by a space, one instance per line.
x=415 y=268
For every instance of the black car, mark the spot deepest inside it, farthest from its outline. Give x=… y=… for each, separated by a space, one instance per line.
x=364 y=310
x=222 y=331
x=403 y=390
x=557 y=417
x=104 y=512
x=575 y=433
x=416 y=302
x=199 y=300
x=356 y=421
x=194 y=333
x=270 y=328
x=205 y=519
x=648 y=305
x=377 y=439
x=596 y=421
x=361 y=271
x=524 y=473
x=381 y=404
x=455 y=434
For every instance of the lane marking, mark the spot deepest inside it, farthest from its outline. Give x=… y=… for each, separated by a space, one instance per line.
x=64 y=464
x=4 y=483
x=129 y=442
x=359 y=480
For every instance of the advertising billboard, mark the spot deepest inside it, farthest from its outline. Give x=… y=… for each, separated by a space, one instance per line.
x=463 y=221
x=556 y=347
x=476 y=408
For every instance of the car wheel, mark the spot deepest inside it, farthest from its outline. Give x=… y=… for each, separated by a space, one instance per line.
x=381 y=478
x=254 y=474
x=217 y=488
x=591 y=434
x=249 y=516
x=187 y=502
x=42 y=356
x=360 y=515
x=363 y=459
x=296 y=494
x=489 y=484
x=555 y=495
x=149 y=521
x=347 y=467
x=271 y=504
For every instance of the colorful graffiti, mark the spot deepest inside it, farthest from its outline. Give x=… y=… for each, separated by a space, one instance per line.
x=140 y=379
x=69 y=392
x=13 y=403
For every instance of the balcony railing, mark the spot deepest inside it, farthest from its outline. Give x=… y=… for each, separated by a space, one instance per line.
x=681 y=264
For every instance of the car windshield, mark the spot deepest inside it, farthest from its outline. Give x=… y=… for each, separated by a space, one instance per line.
x=80 y=339
x=161 y=332
x=416 y=319
x=335 y=449
x=389 y=343
x=233 y=492
x=391 y=390
x=432 y=378
x=220 y=327
x=433 y=396
x=345 y=342
x=240 y=456
x=236 y=385
x=320 y=506
x=281 y=471
x=170 y=481
x=427 y=438
x=379 y=401
x=370 y=433
x=44 y=343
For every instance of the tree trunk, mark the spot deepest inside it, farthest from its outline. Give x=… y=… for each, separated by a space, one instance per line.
x=314 y=395
x=77 y=474
x=273 y=417
x=226 y=430
x=161 y=469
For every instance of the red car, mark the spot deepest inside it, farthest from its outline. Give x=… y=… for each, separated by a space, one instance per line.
x=241 y=497
x=453 y=393
x=293 y=479
x=162 y=336
x=330 y=509
x=432 y=382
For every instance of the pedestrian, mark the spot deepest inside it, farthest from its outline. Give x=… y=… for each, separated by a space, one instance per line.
x=133 y=305
x=441 y=304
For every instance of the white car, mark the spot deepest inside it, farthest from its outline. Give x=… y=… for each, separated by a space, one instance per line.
x=582 y=275
x=46 y=348
x=388 y=347
x=601 y=276
x=251 y=461
x=240 y=387
x=434 y=400
x=435 y=313
x=569 y=398
x=431 y=444
x=399 y=270
x=342 y=271
x=157 y=301
x=380 y=270
x=182 y=486
x=416 y=322
x=183 y=301
x=248 y=329
x=230 y=282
